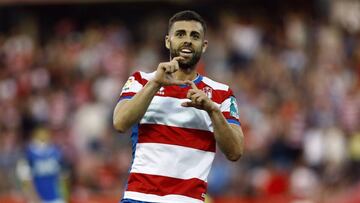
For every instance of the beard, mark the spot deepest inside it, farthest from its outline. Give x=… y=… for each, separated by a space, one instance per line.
x=188 y=63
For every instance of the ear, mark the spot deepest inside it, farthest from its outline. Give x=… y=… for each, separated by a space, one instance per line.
x=205 y=46
x=167 y=42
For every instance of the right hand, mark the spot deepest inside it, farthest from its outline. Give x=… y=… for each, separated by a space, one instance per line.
x=165 y=73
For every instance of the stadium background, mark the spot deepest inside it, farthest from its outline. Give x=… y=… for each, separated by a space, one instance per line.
x=293 y=65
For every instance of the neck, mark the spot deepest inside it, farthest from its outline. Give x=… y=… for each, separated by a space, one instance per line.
x=185 y=74
x=40 y=143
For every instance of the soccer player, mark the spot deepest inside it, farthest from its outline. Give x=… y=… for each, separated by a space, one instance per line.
x=177 y=118
x=40 y=171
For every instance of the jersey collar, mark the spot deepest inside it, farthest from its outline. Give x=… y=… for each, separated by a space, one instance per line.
x=197 y=80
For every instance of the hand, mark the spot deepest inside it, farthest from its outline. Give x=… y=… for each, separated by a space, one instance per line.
x=165 y=73
x=199 y=99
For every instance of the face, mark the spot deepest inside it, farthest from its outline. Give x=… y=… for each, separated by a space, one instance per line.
x=41 y=135
x=186 y=39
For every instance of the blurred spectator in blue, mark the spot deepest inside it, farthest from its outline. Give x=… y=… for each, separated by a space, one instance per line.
x=42 y=170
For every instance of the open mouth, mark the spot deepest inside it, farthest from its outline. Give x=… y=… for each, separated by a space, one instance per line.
x=186 y=52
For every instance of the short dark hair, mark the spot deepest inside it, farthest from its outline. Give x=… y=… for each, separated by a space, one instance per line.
x=187 y=15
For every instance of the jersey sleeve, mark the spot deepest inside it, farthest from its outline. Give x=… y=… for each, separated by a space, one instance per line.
x=229 y=108
x=132 y=86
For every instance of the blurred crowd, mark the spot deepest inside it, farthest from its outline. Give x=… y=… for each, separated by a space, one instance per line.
x=297 y=85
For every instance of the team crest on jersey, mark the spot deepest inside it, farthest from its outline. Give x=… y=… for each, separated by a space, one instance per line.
x=128 y=83
x=208 y=91
x=234 y=111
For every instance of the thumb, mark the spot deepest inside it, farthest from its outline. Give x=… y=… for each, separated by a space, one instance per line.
x=192 y=84
x=187 y=104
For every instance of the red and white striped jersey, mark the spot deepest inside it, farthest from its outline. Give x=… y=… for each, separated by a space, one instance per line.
x=174 y=146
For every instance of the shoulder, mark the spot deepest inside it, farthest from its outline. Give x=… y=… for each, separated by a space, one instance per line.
x=215 y=85
x=28 y=152
x=144 y=75
x=141 y=77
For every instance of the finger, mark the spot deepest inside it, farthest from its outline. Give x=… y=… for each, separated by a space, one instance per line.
x=192 y=84
x=199 y=100
x=195 y=97
x=161 y=66
x=173 y=68
x=167 y=68
x=175 y=65
x=178 y=58
x=170 y=68
x=188 y=104
x=176 y=68
x=190 y=93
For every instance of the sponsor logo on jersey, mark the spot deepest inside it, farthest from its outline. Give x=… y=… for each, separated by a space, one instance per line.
x=161 y=91
x=46 y=167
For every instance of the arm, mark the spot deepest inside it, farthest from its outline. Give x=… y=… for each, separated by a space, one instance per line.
x=128 y=112
x=24 y=174
x=229 y=137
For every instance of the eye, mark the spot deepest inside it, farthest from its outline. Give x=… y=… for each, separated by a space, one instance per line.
x=196 y=37
x=179 y=34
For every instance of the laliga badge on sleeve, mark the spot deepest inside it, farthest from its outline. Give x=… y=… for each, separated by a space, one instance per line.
x=128 y=84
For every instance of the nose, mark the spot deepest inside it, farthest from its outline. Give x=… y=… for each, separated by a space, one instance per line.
x=187 y=40
x=187 y=43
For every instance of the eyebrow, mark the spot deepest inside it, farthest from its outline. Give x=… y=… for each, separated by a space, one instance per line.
x=195 y=33
x=180 y=31
x=192 y=32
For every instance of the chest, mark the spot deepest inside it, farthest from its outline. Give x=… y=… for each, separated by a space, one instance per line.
x=166 y=109
x=44 y=164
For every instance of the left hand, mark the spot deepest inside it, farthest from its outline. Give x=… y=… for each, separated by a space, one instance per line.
x=199 y=100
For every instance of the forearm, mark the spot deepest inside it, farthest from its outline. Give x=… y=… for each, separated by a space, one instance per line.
x=229 y=137
x=131 y=111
